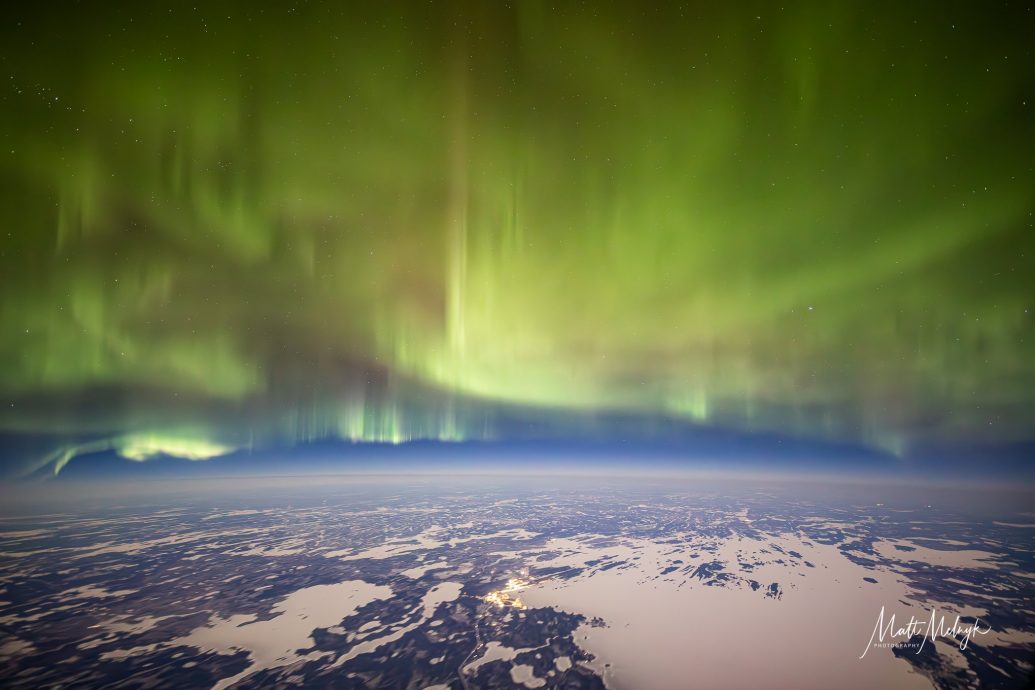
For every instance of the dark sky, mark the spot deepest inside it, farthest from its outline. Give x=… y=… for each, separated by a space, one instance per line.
x=251 y=224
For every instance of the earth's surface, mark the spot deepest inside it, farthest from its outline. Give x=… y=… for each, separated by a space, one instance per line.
x=469 y=583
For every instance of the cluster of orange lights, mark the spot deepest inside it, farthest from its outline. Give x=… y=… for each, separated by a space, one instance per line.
x=507 y=596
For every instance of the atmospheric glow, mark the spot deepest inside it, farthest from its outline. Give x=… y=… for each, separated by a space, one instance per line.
x=143 y=447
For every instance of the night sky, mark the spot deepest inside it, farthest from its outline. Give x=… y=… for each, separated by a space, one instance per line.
x=243 y=225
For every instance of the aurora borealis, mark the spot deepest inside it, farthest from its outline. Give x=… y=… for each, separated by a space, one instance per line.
x=241 y=224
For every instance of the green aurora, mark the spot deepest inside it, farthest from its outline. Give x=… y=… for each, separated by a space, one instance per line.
x=245 y=224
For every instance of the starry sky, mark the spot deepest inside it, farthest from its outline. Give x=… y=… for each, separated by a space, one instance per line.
x=239 y=225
